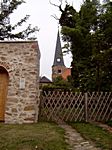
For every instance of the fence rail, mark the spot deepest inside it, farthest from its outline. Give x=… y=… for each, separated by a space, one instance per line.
x=68 y=106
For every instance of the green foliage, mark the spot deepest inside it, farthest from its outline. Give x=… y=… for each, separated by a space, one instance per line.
x=7 y=30
x=89 y=33
x=60 y=84
x=59 y=81
x=109 y=123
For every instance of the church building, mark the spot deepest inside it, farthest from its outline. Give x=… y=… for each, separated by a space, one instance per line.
x=19 y=81
x=59 y=68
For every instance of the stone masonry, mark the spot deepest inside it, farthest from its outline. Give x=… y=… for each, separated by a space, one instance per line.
x=21 y=60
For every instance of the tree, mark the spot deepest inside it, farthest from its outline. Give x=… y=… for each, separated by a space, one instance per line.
x=89 y=33
x=7 y=29
x=60 y=84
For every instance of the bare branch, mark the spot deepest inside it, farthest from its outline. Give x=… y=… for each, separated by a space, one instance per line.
x=55 y=17
x=60 y=1
x=66 y=2
x=59 y=6
x=54 y=4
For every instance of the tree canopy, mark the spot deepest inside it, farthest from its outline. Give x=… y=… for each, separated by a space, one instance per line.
x=89 y=34
x=7 y=30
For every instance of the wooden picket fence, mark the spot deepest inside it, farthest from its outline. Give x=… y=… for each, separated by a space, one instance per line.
x=68 y=106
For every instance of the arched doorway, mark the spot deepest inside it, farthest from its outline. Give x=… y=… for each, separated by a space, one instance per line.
x=3 y=91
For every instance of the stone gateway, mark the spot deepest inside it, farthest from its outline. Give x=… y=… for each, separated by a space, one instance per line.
x=19 y=81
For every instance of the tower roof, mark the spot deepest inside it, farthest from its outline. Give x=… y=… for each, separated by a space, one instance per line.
x=58 y=58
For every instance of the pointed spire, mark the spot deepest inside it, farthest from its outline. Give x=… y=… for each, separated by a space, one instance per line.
x=58 y=58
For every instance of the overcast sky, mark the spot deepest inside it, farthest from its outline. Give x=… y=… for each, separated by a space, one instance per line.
x=41 y=12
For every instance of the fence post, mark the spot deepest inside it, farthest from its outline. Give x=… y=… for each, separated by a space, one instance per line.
x=86 y=106
x=40 y=105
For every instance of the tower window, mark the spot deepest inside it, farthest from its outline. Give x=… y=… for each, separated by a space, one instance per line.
x=59 y=71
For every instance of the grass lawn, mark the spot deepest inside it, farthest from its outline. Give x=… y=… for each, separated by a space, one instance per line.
x=100 y=137
x=40 y=136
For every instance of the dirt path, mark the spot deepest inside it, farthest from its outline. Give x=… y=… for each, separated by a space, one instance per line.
x=74 y=139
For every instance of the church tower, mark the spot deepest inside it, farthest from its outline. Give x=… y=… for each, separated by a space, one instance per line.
x=58 y=67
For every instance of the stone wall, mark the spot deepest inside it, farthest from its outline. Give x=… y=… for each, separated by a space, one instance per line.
x=21 y=60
